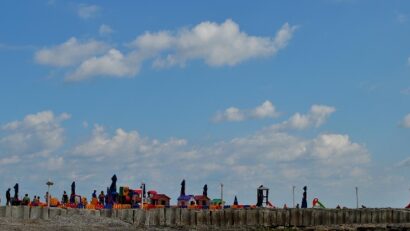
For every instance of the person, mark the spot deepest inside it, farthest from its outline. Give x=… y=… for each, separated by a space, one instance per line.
x=101 y=198
x=8 y=198
x=65 y=198
x=94 y=199
x=26 y=199
x=94 y=195
x=46 y=197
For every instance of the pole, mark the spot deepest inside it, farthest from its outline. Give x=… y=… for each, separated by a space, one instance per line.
x=142 y=195
x=222 y=195
x=48 y=196
x=357 y=197
x=293 y=195
x=49 y=183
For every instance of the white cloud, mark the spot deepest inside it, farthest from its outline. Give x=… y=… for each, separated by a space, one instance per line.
x=406 y=121
x=39 y=133
x=230 y=114
x=233 y=114
x=10 y=160
x=317 y=115
x=86 y=11
x=123 y=143
x=217 y=44
x=268 y=156
x=105 y=30
x=267 y=109
x=69 y=53
x=404 y=163
x=337 y=149
x=113 y=63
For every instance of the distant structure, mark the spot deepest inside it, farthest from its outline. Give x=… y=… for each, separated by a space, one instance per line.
x=185 y=200
x=203 y=199
x=262 y=196
x=304 y=198
x=235 y=201
x=158 y=199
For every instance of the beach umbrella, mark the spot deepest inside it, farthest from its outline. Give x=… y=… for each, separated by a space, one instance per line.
x=113 y=187
x=16 y=191
x=73 y=188
x=304 y=198
x=183 y=188
x=205 y=191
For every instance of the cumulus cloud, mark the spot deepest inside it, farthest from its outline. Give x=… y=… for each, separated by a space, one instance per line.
x=113 y=63
x=39 y=133
x=230 y=114
x=233 y=114
x=105 y=30
x=216 y=44
x=406 y=121
x=86 y=11
x=317 y=115
x=267 y=156
x=70 y=53
x=338 y=150
x=123 y=143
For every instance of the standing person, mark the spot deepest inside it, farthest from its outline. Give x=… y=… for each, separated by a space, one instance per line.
x=46 y=197
x=101 y=198
x=65 y=198
x=304 y=198
x=8 y=196
x=26 y=200
x=94 y=195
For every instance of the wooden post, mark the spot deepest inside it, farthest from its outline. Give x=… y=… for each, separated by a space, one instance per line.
x=171 y=216
x=273 y=217
x=306 y=217
x=266 y=217
x=185 y=217
x=162 y=216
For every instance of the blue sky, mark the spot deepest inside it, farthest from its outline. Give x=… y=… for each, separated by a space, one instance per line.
x=277 y=93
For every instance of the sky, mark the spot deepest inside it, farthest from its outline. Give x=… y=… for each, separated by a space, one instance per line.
x=273 y=93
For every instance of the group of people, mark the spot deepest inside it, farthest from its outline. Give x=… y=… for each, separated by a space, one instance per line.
x=102 y=199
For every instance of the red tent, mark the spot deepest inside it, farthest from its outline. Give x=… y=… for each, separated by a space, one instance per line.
x=408 y=206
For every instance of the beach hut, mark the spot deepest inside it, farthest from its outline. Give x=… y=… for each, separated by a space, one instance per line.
x=160 y=199
x=202 y=200
x=186 y=200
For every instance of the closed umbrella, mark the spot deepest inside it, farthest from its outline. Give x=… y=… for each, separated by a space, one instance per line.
x=183 y=188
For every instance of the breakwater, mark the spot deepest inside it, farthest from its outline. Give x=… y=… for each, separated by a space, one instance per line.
x=226 y=218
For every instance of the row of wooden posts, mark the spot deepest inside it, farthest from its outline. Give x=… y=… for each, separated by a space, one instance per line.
x=223 y=218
